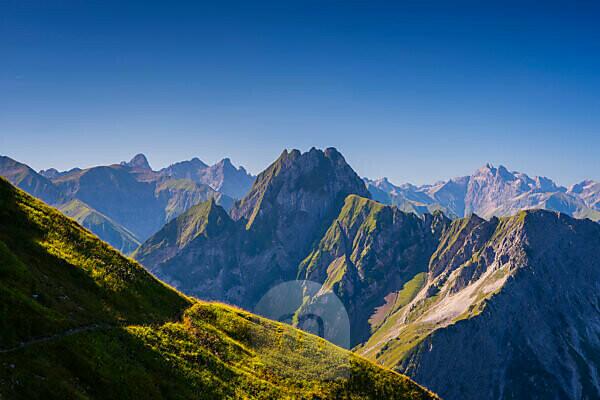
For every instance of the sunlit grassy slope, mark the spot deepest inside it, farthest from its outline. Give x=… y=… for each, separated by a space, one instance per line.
x=79 y=320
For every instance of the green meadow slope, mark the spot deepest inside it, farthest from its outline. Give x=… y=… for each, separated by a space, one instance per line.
x=80 y=320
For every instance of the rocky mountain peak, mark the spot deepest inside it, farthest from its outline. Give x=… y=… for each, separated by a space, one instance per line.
x=545 y=184
x=298 y=181
x=139 y=161
x=50 y=173
x=582 y=186
x=487 y=169
x=226 y=163
x=384 y=184
x=504 y=173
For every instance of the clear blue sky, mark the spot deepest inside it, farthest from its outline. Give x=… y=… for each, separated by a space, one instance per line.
x=416 y=91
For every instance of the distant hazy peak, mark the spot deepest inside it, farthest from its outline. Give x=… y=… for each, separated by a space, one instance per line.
x=49 y=173
x=139 y=161
x=226 y=162
x=583 y=185
x=53 y=173
x=193 y=165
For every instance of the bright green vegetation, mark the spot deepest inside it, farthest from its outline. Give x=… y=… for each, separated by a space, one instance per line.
x=393 y=339
x=335 y=273
x=198 y=220
x=410 y=290
x=80 y=320
x=357 y=214
x=457 y=228
x=406 y=295
x=396 y=346
x=105 y=228
x=354 y=206
x=56 y=275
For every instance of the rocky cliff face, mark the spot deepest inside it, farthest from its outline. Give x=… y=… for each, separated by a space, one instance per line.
x=492 y=191
x=509 y=309
x=289 y=206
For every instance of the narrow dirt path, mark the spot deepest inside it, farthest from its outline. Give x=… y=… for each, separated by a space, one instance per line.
x=69 y=332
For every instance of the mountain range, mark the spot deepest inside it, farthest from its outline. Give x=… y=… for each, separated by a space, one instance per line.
x=80 y=320
x=489 y=192
x=485 y=286
x=126 y=203
x=210 y=254
x=471 y=307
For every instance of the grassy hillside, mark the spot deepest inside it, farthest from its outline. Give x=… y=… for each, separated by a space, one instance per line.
x=79 y=320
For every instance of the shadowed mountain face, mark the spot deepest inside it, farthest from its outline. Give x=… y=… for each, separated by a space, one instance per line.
x=79 y=320
x=289 y=206
x=125 y=203
x=492 y=191
x=509 y=309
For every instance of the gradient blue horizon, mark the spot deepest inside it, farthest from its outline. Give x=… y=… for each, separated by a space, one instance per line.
x=415 y=91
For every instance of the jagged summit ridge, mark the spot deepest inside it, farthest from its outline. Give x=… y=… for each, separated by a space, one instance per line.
x=297 y=174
